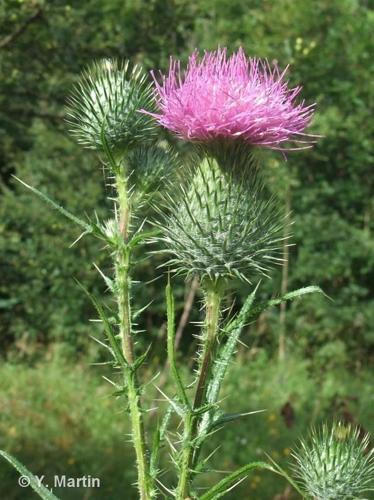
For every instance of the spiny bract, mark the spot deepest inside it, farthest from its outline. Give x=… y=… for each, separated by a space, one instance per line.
x=221 y=227
x=106 y=101
x=335 y=463
x=151 y=172
x=152 y=168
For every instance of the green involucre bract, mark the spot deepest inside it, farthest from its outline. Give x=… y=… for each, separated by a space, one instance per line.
x=221 y=226
x=107 y=100
x=335 y=463
x=152 y=170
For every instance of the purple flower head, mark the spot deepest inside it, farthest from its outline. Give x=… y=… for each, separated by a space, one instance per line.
x=234 y=98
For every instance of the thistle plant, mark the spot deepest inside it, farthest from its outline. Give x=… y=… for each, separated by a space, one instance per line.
x=335 y=463
x=104 y=107
x=217 y=224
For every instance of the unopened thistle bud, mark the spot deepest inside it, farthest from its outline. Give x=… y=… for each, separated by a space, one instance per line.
x=106 y=103
x=221 y=227
x=151 y=170
x=335 y=463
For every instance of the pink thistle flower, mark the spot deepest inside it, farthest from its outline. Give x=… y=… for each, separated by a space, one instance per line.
x=233 y=98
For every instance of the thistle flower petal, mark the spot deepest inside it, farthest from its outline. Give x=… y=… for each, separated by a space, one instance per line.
x=233 y=97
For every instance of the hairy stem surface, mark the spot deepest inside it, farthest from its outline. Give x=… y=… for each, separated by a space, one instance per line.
x=213 y=297
x=122 y=269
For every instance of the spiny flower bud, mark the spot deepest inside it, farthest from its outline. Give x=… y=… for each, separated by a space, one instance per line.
x=222 y=226
x=106 y=101
x=335 y=463
x=151 y=170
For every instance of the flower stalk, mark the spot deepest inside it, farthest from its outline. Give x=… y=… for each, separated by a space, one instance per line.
x=213 y=302
x=213 y=299
x=122 y=268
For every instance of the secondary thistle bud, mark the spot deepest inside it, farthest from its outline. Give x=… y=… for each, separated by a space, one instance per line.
x=106 y=102
x=222 y=226
x=335 y=463
x=151 y=170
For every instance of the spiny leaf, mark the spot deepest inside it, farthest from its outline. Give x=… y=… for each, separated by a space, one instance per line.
x=87 y=227
x=179 y=410
x=278 y=470
x=35 y=484
x=288 y=296
x=140 y=237
x=140 y=311
x=158 y=437
x=223 y=486
x=230 y=417
x=107 y=327
x=204 y=409
x=232 y=332
x=140 y=360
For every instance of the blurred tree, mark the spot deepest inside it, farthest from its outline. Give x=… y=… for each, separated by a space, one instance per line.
x=43 y=47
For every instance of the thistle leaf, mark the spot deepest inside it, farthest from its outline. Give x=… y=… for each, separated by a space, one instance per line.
x=179 y=410
x=158 y=438
x=34 y=482
x=232 y=333
x=87 y=227
x=108 y=281
x=140 y=237
x=230 y=417
x=288 y=296
x=140 y=359
x=221 y=488
x=107 y=328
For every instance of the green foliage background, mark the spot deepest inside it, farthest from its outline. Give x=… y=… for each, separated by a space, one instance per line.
x=329 y=45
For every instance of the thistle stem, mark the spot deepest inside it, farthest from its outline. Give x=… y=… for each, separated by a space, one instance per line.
x=213 y=302
x=284 y=282
x=213 y=297
x=122 y=269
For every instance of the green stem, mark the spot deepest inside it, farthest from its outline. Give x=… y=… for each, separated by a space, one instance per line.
x=184 y=482
x=171 y=346
x=213 y=302
x=213 y=297
x=122 y=269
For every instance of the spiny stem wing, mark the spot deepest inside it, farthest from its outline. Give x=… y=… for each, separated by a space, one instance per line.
x=34 y=482
x=225 y=484
x=87 y=227
x=107 y=327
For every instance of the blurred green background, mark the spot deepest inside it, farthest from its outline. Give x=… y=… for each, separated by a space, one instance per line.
x=56 y=412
